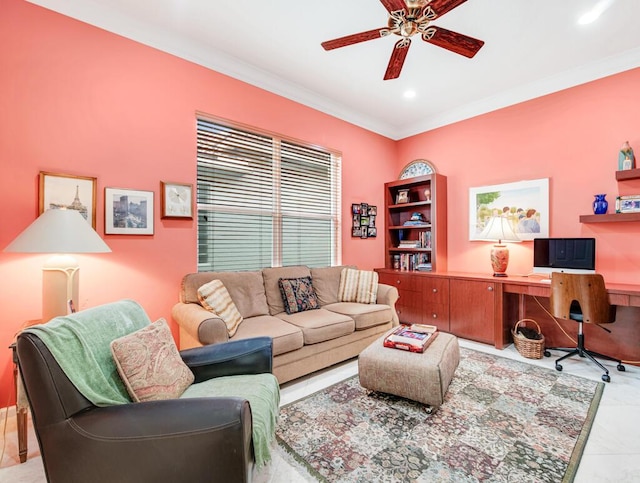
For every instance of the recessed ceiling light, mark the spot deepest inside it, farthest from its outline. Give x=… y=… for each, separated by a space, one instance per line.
x=409 y=94
x=593 y=14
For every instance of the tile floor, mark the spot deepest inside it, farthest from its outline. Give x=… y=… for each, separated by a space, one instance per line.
x=612 y=453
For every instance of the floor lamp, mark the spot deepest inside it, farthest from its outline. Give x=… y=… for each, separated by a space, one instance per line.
x=499 y=229
x=62 y=232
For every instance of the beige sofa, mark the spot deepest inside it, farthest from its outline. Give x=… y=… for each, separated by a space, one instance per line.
x=303 y=342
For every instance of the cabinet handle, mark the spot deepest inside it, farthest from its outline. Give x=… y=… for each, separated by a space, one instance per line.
x=434 y=315
x=397 y=282
x=435 y=290
x=490 y=288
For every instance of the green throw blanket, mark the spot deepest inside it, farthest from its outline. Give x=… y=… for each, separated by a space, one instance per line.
x=263 y=393
x=80 y=343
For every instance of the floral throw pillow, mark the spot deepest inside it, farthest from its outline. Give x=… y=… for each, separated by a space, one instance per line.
x=298 y=294
x=150 y=365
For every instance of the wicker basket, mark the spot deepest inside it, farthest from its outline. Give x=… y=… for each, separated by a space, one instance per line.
x=529 y=348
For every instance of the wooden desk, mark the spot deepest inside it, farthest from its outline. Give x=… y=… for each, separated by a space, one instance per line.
x=485 y=308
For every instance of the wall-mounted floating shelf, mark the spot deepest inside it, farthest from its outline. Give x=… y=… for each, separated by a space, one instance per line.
x=610 y=217
x=628 y=174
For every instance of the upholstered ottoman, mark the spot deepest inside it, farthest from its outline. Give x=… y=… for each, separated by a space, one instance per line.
x=420 y=377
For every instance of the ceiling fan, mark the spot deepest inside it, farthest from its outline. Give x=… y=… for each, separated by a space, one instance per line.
x=410 y=17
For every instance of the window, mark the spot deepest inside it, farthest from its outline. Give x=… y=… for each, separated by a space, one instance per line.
x=264 y=200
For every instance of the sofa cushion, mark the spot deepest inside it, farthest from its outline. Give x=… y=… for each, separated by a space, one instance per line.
x=320 y=325
x=150 y=365
x=271 y=287
x=286 y=337
x=298 y=294
x=358 y=286
x=246 y=290
x=215 y=298
x=364 y=315
x=326 y=282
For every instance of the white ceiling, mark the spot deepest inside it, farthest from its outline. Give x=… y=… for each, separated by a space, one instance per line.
x=531 y=48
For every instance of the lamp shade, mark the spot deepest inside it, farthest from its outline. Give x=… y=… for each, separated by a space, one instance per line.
x=61 y=232
x=58 y=231
x=499 y=229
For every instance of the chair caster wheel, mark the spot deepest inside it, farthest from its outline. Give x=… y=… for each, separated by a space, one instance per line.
x=606 y=378
x=558 y=367
x=547 y=353
x=621 y=368
x=428 y=409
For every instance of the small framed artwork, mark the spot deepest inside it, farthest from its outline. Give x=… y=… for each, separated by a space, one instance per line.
x=176 y=200
x=628 y=204
x=128 y=212
x=57 y=191
x=402 y=197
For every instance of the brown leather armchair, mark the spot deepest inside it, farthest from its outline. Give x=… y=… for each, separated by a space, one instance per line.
x=200 y=439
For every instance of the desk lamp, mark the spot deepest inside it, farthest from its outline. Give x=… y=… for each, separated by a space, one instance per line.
x=61 y=232
x=499 y=229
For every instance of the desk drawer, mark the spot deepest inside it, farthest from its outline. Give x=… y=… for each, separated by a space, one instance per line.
x=436 y=290
x=402 y=281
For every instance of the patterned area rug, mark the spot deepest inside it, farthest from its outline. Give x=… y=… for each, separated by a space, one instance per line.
x=502 y=421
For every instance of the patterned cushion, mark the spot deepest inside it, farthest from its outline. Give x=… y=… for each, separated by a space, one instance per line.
x=298 y=294
x=358 y=286
x=150 y=365
x=214 y=297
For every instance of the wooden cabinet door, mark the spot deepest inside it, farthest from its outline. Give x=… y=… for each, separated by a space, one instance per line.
x=472 y=309
x=435 y=303
x=409 y=304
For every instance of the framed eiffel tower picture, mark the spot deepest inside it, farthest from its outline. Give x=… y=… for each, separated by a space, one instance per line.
x=67 y=191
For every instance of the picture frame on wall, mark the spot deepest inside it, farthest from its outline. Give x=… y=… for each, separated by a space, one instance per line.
x=524 y=203
x=176 y=200
x=128 y=212
x=67 y=191
x=363 y=217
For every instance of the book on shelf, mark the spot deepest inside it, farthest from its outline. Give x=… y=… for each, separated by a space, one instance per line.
x=411 y=261
x=404 y=338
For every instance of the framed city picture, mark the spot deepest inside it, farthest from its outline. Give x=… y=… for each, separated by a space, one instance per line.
x=128 y=212
x=67 y=191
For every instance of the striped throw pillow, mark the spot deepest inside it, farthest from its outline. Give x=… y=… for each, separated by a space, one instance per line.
x=215 y=298
x=358 y=286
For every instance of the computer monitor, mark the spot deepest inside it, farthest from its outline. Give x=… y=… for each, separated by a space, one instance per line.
x=571 y=255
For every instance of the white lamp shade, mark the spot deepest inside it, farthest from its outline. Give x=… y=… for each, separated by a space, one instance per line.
x=59 y=231
x=499 y=229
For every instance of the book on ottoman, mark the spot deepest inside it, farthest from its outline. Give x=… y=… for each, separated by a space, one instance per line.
x=407 y=338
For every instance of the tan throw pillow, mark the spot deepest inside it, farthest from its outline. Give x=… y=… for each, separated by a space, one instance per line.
x=358 y=286
x=214 y=297
x=150 y=365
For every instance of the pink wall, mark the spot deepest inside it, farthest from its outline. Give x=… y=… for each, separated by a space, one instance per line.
x=78 y=100
x=571 y=137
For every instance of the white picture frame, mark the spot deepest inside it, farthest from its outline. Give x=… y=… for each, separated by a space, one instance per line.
x=514 y=200
x=128 y=212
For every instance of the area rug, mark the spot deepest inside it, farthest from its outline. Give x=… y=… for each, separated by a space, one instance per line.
x=502 y=420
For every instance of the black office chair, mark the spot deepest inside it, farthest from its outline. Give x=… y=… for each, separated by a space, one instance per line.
x=584 y=299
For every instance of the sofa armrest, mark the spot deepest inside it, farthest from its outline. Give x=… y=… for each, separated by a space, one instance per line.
x=245 y=356
x=388 y=295
x=199 y=323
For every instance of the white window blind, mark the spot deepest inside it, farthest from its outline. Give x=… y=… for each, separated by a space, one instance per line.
x=264 y=200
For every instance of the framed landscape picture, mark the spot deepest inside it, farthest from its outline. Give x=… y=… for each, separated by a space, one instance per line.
x=66 y=191
x=128 y=212
x=524 y=203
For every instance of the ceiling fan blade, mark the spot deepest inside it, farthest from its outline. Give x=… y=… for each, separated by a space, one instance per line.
x=397 y=59
x=440 y=7
x=394 y=5
x=355 y=38
x=453 y=41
